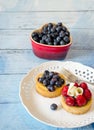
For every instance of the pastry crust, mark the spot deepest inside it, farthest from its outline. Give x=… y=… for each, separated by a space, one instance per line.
x=76 y=109
x=42 y=90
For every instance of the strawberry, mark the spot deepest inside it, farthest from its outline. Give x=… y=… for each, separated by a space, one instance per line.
x=81 y=100
x=76 y=84
x=70 y=101
x=87 y=94
x=83 y=85
x=64 y=91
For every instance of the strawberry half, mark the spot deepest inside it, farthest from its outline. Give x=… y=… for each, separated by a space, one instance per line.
x=76 y=84
x=70 y=101
x=87 y=94
x=83 y=85
x=64 y=91
x=81 y=100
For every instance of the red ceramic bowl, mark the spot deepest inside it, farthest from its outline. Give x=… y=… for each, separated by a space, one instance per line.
x=53 y=52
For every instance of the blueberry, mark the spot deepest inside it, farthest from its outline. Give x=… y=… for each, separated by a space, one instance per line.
x=58 y=39
x=67 y=33
x=51 y=74
x=55 y=34
x=66 y=39
x=58 y=83
x=53 y=29
x=45 y=82
x=56 y=76
x=52 y=35
x=46 y=72
x=49 y=32
x=44 y=37
x=34 y=34
x=50 y=25
x=41 y=79
x=55 y=42
x=51 y=88
x=40 y=35
x=59 y=29
x=53 y=106
x=36 y=38
x=52 y=81
x=62 y=34
x=62 y=42
x=59 y=24
x=64 y=28
x=44 y=30
x=42 y=41
x=48 y=40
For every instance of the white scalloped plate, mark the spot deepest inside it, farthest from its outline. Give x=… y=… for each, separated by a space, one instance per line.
x=39 y=106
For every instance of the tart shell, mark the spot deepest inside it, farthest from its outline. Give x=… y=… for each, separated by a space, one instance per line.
x=76 y=109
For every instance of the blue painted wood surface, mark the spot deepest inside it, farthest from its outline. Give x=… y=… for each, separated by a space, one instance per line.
x=18 y=18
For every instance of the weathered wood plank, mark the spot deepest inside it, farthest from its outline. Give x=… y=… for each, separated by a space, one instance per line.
x=9 y=84
x=50 y=5
x=21 y=61
x=14 y=117
x=33 y=20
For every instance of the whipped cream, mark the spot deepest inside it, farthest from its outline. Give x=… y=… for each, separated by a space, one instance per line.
x=74 y=91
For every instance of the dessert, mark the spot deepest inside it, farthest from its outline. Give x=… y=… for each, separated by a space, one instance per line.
x=52 y=34
x=76 y=98
x=49 y=84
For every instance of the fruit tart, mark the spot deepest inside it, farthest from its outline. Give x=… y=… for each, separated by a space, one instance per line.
x=49 y=83
x=76 y=98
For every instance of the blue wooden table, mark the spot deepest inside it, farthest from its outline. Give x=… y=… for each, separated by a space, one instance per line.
x=17 y=19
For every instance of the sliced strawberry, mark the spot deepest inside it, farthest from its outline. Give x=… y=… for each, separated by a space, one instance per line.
x=83 y=85
x=87 y=94
x=70 y=101
x=81 y=100
x=76 y=84
x=64 y=91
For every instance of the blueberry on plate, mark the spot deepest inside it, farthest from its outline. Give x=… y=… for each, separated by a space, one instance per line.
x=53 y=106
x=51 y=88
x=45 y=82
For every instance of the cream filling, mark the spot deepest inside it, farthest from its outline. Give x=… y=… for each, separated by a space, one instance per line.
x=74 y=91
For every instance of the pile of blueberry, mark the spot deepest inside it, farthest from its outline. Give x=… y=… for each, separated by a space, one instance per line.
x=52 y=34
x=51 y=80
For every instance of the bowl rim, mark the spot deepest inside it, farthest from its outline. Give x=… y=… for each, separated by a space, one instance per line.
x=38 y=30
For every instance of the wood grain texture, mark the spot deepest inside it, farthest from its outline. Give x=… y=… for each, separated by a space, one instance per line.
x=26 y=60
x=18 y=18
x=33 y=20
x=50 y=5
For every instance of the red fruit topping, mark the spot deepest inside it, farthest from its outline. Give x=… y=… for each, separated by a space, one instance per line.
x=76 y=84
x=81 y=100
x=70 y=101
x=87 y=94
x=64 y=91
x=83 y=85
